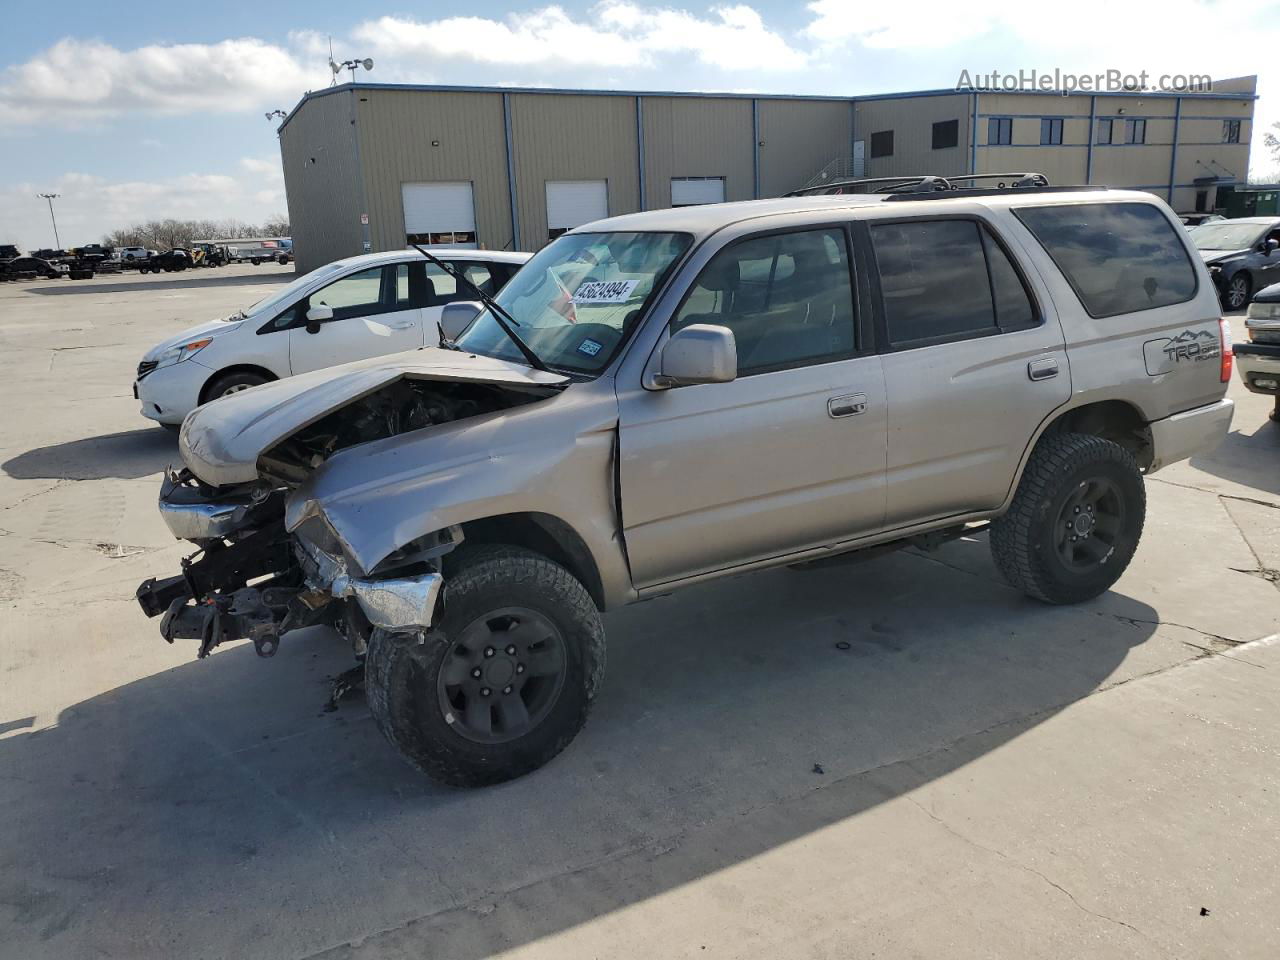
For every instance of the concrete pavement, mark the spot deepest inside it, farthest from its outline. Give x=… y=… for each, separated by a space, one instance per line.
x=998 y=778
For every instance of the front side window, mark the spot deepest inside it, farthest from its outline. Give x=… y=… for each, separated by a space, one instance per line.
x=786 y=297
x=947 y=280
x=579 y=298
x=1118 y=257
x=1051 y=130
x=356 y=295
x=1000 y=131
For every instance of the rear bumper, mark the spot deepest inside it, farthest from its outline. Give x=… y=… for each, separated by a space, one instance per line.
x=1186 y=434
x=1259 y=361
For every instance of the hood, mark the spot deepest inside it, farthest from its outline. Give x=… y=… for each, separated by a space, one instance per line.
x=213 y=328
x=1217 y=256
x=222 y=441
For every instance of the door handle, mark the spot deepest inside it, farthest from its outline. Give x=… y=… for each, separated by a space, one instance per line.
x=847 y=406
x=401 y=326
x=1044 y=369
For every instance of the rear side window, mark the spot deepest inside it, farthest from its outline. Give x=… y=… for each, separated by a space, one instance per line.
x=1118 y=257
x=947 y=280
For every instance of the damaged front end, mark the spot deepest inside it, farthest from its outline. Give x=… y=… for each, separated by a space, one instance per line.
x=251 y=580
x=254 y=578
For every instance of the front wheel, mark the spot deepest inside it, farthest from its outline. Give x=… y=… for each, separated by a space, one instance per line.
x=1238 y=289
x=230 y=383
x=504 y=681
x=1075 y=520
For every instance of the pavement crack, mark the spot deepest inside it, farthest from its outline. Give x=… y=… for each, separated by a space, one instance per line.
x=1216 y=493
x=1028 y=869
x=1135 y=622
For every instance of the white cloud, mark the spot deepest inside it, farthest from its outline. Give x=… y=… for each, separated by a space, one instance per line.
x=615 y=33
x=85 y=79
x=90 y=206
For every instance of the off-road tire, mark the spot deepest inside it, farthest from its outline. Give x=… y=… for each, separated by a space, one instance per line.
x=401 y=673
x=1023 y=539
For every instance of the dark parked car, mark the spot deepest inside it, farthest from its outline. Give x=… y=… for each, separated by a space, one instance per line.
x=21 y=267
x=1241 y=256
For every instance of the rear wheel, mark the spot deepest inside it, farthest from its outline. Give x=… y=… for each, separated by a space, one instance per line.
x=504 y=681
x=229 y=383
x=1075 y=520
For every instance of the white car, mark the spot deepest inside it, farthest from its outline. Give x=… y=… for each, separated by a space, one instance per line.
x=134 y=253
x=350 y=309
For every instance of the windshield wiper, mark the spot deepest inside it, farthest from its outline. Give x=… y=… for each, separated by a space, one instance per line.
x=499 y=314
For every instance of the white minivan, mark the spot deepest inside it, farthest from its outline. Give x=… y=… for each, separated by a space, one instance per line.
x=350 y=309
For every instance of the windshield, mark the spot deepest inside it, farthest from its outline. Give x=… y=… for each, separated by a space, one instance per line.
x=284 y=295
x=1224 y=236
x=578 y=299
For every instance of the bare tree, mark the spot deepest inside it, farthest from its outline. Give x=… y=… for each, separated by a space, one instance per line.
x=170 y=233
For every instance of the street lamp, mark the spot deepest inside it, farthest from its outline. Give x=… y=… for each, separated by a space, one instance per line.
x=272 y=114
x=57 y=244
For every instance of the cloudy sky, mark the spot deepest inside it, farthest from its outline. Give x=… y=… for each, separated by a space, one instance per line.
x=130 y=111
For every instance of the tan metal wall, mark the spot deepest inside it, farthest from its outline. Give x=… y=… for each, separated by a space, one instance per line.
x=697 y=137
x=911 y=119
x=571 y=137
x=419 y=136
x=318 y=152
x=800 y=138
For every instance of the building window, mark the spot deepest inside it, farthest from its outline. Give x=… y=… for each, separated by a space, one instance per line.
x=1202 y=201
x=999 y=131
x=441 y=239
x=1230 y=131
x=1135 y=131
x=946 y=133
x=882 y=144
x=1051 y=130
x=1106 y=130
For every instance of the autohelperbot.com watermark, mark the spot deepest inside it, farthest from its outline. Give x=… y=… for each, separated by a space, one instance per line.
x=1067 y=82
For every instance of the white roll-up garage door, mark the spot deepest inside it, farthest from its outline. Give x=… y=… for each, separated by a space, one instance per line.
x=571 y=203
x=443 y=214
x=689 y=191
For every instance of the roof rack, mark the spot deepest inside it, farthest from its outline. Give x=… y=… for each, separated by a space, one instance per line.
x=923 y=184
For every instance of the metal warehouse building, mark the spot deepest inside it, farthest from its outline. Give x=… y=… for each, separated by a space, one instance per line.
x=369 y=167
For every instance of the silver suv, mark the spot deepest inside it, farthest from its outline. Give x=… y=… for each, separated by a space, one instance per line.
x=663 y=398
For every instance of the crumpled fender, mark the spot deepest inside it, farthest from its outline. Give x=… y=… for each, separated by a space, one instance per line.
x=555 y=457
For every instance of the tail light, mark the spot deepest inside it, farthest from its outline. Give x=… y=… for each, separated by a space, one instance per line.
x=1224 y=344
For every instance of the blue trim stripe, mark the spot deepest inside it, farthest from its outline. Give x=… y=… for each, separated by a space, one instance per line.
x=912 y=95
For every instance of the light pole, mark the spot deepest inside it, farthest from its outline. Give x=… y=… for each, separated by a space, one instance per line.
x=52 y=197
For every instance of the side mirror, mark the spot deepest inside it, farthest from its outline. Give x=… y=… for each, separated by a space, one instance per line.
x=700 y=353
x=1270 y=246
x=457 y=316
x=320 y=313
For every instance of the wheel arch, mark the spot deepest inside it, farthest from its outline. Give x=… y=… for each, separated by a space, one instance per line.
x=234 y=368
x=547 y=535
x=1121 y=421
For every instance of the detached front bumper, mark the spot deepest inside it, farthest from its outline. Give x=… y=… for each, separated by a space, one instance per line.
x=252 y=580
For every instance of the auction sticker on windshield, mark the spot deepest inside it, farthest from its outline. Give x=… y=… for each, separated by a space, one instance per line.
x=605 y=291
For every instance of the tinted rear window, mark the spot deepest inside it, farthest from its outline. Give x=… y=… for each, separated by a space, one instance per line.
x=1118 y=257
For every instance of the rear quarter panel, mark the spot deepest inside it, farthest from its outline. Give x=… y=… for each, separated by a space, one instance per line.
x=1145 y=358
